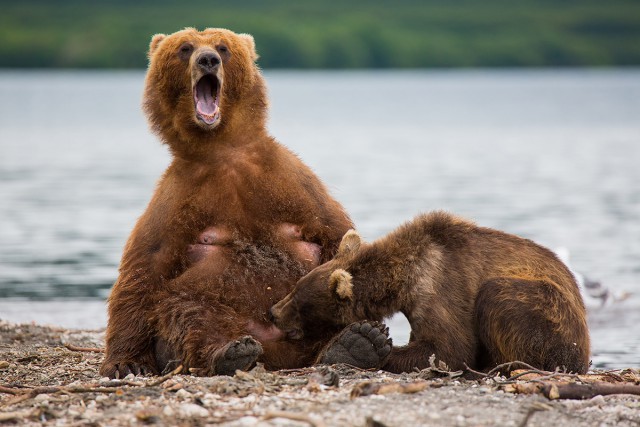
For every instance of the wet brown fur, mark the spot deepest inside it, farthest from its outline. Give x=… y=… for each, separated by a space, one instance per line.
x=471 y=294
x=234 y=176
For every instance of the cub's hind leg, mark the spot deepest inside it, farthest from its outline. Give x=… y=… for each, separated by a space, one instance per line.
x=533 y=321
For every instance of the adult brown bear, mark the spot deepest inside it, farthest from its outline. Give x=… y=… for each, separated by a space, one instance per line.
x=234 y=222
x=471 y=294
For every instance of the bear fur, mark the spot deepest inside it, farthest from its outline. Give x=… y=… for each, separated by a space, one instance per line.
x=472 y=295
x=234 y=222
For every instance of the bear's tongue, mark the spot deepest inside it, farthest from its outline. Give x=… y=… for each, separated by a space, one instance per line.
x=205 y=98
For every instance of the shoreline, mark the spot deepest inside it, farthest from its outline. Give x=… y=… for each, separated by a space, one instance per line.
x=46 y=383
x=613 y=346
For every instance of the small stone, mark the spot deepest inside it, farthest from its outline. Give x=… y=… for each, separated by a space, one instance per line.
x=147 y=416
x=183 y=394
x=130 y=377
x=247 y=421
x=4 y=364
x=90 y=415
x=41 y=398
x=193 y=410
x=598 y=400
x=168 y=411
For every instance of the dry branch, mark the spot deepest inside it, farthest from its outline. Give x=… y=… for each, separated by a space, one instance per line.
x=14 y=416
x=84 y=349
x=587 y=391
x=567 y=390
x=163 y=378
x=9 y=390
x=368 y=388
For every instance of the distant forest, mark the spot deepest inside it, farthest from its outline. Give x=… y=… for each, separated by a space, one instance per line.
x=331 y=34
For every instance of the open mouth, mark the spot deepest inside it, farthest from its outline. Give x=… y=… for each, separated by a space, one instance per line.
x=206 y=95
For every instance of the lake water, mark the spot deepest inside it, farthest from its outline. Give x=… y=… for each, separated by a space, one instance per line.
x=551 y=155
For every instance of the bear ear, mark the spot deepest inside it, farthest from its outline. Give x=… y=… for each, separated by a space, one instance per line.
x=155 y=41
x=350 y=243
x=251 y=44
x=340 y=284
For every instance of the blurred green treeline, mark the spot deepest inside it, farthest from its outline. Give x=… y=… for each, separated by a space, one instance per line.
x=331 y=34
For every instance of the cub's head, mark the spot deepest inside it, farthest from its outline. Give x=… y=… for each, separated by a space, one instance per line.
x=196 y=79
x=322 y=302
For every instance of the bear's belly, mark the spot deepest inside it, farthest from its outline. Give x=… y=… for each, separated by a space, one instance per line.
x=210 y=244
x=213 y=244
x=307 y=253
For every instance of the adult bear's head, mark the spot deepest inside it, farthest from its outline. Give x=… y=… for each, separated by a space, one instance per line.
x=202 y=85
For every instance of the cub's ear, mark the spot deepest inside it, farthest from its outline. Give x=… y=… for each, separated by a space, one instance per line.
x=340 y=284
x=155 y=41
x=350 y=243
x=251 y=44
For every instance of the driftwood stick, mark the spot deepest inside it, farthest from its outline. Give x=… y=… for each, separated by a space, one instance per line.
x=163 y=378
x=14 y=416
x=368 y=388
x=481 y=374
x=85 y=349
x=509 y=365
x=9 y=390
x=513 y=379
x=586 y=391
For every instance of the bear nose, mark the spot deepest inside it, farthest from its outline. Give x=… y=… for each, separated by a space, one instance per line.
x=208 y=61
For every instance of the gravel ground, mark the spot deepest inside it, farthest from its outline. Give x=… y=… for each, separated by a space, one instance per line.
x=43 y=382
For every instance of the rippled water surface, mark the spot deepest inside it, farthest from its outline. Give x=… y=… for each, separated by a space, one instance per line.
x=551 y=155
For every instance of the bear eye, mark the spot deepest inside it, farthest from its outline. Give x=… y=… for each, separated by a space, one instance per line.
x=224 y=52
x=185 y=50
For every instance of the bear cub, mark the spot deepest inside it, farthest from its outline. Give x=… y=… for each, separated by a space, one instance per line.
x=472 y=295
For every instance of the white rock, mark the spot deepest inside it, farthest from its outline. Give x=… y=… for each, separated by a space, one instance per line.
x=193 y=410
x=183 y=394
x=247 y=421
x=90 y=415
x=168 y=411
x=41 y=398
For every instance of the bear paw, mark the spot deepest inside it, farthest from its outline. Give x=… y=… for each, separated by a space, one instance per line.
x=363 y=344
x=240 y=354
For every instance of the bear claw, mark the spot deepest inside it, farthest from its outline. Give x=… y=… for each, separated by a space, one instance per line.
x=365 y=345
x=122 y=369
x=239 y=354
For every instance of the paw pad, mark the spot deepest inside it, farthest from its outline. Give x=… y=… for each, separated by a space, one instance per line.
x=363 y=344
x=240 y=354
